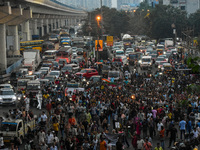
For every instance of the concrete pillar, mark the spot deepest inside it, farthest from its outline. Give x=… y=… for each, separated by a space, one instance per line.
x=46 y=26
x=26 y=31
x=55 y=23
x=13 y=31
x=3 y=61
x=40 y=27
x=58 y=23
x=34 y=27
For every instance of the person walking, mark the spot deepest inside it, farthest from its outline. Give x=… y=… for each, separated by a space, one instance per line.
x=182 y=124
x=173 y=134
x=39 y=99
x=158 y=147
x=147 y=145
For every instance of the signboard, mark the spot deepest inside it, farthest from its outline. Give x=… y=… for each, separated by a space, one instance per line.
x=109 y=40
x=99 y=44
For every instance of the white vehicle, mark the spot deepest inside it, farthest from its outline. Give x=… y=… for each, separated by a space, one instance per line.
x=160 y=46
x=129 y=50
x=55 y=73
x=9 y=86
x=31 y=60
x=49 y=54
x=7 y=96
x=45 y=68
x=158 y=60
x=146 y=62
x=119 y=53
x=11 y=127
x=117 y=75
x=73 y=87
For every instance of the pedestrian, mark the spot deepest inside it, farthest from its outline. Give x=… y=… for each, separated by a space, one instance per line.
x=173 y=135
x=147 y=145
x=182 y=124
x=134 y=140
x=39 y=99
x=27 y=102
x=158 y=147
x=103 y=145
x=162 y=137
x=140 y=143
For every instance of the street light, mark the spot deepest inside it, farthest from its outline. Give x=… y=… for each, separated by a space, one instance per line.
x=98 y=18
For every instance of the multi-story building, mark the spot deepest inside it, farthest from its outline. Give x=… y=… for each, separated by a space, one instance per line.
x=190 y=6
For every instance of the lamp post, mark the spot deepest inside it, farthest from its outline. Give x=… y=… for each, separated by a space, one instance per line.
x=98 y=18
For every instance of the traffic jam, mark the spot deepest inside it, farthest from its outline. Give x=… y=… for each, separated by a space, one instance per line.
x=66 y=71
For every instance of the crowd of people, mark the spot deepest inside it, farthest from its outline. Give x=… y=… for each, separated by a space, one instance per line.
x=147 y=110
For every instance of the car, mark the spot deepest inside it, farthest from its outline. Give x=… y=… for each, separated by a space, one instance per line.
x=62 y=62
x=117 y=75
x=159 y=59
x=43 y=72
x=119 y=53
x=146 y=62
x=9 y=86
x=71 y=68
x=55 y=65
x=105 y=70
x=160 y=65
x=46 y=68
x=7 y=96
x=87 y=73
x=74 y=61
x=55 y=73
x=54 y=38
x=51 y=78
x=129 y=50
x=79 y=51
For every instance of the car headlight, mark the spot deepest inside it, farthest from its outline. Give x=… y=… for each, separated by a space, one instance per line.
x=14 y=98
x=1 y=98
x=66 y=75
x=84 y=80
x=160 y=73
x=88 y=82
x=139 y=61
x=158 y=66
x=18 y=98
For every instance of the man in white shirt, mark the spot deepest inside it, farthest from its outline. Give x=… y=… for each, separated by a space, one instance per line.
x=196 y=133
x=44 y=117
x=140 y=143
x=159 y=125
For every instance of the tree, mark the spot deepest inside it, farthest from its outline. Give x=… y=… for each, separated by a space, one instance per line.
x=113 y=22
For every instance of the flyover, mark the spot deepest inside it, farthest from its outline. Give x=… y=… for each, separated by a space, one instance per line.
x=21 y=20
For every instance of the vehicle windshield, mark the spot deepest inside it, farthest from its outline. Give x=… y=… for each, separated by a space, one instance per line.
x=21 y=83
x=72 y=85
x=33 y=87
x=160 y=59
x=67 y=68
x=6 y=92
x=53 y=36
x=54 y=73
x=119 y=52
x=113 y=74
x=6 y=126
x=95 y=79
x=48 y=53
x=105 y=67
x=62 y=61
x=83 y=71
x=132 y=56
x=146 y=60
x=50 y=78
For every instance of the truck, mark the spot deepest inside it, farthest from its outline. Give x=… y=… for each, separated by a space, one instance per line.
x=32 y=60
x=169 y=43
x=128 y=40
x=16 y=128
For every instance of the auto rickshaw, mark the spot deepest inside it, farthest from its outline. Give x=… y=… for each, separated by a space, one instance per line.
x=167 y=68
x=159 y=52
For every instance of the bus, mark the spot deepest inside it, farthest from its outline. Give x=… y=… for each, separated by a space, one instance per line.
x=34 y=44
x=64 y=53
